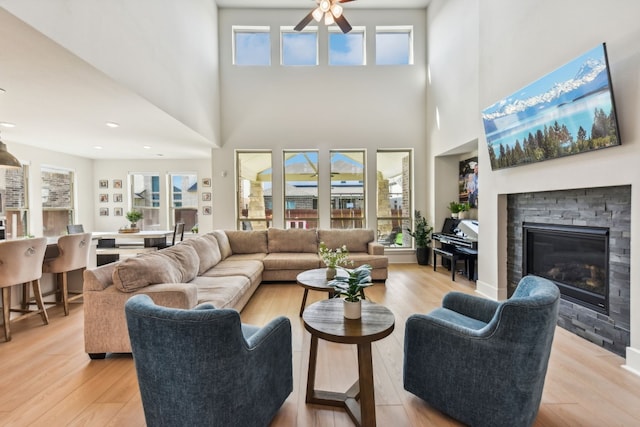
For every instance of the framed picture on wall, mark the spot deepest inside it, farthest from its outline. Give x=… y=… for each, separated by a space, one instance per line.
x=117 y=198
x=117 y=211
x=103 y=183
x=117 y=183
x=206 y=210
x=104 y=198
x=104 y=211
x=206 y=182
x=206 y=197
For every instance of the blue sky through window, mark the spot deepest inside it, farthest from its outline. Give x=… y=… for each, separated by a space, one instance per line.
x=252 y=48
x=346 y=49
x=300 y=48
x=393 y=48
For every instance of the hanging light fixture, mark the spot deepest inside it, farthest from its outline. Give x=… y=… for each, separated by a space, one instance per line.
x=8 y=160
x=331 y=11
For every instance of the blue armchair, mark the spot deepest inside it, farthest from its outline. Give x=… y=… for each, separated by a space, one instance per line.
x=480 y=361
x=202 y=367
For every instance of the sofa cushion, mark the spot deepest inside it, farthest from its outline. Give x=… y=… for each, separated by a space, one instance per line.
x=291 y=261
x=207 y=249
x=222 y=292
x=292 y=240
x=223 y=242
x=355 y=240
x=375 y=261
x=251 y=269
x=177 y=264
x=247 y=242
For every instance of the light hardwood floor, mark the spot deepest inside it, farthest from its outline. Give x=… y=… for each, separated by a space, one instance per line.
x=46 y=379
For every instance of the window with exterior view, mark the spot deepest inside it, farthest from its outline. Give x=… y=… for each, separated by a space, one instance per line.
x=394 y=45
x=301 y=189
x=394 y=181
x=255 y=198
x=184 y=199
x=145 y=197
x=346 y=49
x=251 y=46
x=348 y=189
x=299 y=47
x=13 y=201
x=57 y=201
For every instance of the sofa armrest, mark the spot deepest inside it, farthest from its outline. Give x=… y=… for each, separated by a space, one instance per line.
x=375 y=248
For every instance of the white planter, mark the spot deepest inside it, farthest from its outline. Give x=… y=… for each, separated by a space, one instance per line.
x=352 y=310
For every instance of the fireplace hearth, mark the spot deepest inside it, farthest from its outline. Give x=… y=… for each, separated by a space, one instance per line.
x=575 y=258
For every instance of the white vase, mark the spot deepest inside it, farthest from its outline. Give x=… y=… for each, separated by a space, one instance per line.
x=331 y=273
x=352 y=310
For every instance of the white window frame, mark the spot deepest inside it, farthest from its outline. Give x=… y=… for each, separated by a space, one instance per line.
x=248 y=29
x=290 y=30
x=381 y=29
x=359 y=29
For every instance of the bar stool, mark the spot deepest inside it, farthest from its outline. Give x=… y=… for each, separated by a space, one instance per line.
x=21 y=263
x=73 y=253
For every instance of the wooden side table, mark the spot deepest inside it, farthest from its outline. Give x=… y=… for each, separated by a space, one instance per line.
x=315 y=280
x=325 y=320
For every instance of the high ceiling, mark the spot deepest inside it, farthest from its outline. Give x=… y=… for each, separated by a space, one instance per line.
x=58 y=101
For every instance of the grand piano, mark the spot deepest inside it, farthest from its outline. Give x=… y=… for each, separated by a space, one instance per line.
x=458 y=241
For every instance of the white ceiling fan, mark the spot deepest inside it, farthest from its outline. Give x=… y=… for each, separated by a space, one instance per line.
x=331 y=11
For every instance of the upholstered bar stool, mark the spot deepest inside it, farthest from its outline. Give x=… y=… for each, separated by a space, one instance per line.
x=73 y=253
x=21 y=263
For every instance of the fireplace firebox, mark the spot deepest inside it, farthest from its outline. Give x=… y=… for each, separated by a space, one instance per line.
x=576 y=258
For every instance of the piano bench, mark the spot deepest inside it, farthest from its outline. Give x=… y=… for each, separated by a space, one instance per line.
x=451 y=256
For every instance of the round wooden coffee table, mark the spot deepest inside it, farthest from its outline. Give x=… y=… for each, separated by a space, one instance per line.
x=315 y=280
x=325 y=319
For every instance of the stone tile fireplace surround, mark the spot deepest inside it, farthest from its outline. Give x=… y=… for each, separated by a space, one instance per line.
x=593 y=207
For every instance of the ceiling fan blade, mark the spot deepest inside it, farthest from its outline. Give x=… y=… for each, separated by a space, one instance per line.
x=304 y=22
x=345 y=1
x=343 y=24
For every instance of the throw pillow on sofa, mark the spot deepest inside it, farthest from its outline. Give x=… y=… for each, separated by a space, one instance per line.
x=292 y=240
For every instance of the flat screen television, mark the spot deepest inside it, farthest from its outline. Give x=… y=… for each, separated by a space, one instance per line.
x=566 y=112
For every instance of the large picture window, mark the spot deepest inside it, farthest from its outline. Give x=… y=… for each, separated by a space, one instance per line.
x=145 y=197
x=255 y=201
x=301 y=189
x=57 y=201
x=184 y=199
x=348 y=189
x=14 y=201
x=394 y=181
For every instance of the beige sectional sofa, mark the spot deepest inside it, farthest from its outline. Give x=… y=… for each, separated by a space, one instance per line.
x=223 y=268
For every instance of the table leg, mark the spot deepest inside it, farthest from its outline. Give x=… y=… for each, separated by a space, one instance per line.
x=367 y=397
x=311 y=375
x=304 y=301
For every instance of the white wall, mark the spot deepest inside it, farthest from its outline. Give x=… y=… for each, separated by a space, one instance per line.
x=120 y=169
x=36 y=158
x=167 y=52
x=319 y=107
x=519 y=43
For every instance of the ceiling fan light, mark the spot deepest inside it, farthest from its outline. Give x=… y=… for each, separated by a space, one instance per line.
x=317 y=14
x=336 y=9
x=325 y=5
x=328 y=19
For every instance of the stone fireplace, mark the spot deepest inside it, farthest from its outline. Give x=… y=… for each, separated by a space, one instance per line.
x=582 y=241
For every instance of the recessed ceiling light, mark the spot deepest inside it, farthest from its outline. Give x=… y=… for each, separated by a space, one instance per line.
x=7 y=125
x=2 y=90
x=98 y=147
x=160 y=155
x=112 y=124
x=146 y=147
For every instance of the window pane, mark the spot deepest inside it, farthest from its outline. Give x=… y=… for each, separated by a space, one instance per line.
x=255 y=201
x=346 y=49
x=145 y=196
x=393 y=47
x=57 y=201
x=252 y=47
x=394 y=197
x=184 y=199
x=13 y=201
x=347 y=189
x=300 y=48
x=301 y=189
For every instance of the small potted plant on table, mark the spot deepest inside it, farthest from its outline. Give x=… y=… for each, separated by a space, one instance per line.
x=422 y=234
x=333 y=258
x=351 y=286
x=134 y=216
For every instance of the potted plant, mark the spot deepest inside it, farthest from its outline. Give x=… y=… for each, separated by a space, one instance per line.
x=463 y=210
x=351 y=286
x=422 y=235
x=134 y=216
x=333 y=258
x=455 y=209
